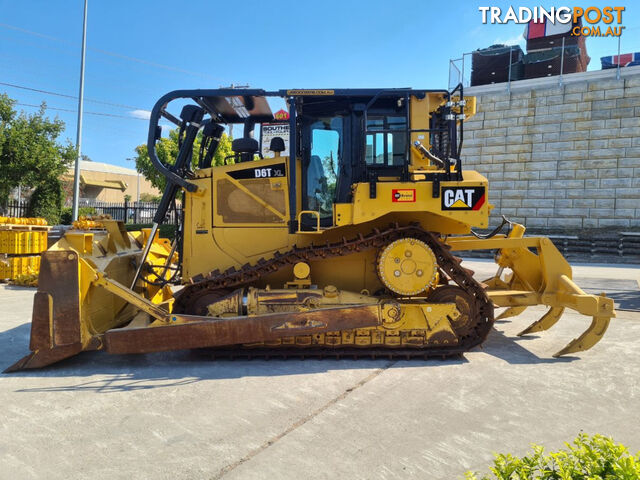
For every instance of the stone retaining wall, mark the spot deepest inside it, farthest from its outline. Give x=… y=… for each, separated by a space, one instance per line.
x=560 y=156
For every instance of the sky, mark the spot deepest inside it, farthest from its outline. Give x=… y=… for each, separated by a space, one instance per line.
x=139 y=50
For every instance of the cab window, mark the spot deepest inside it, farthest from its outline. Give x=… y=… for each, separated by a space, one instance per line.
x=386 y=140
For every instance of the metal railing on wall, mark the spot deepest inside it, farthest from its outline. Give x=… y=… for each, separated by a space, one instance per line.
x=508 y=64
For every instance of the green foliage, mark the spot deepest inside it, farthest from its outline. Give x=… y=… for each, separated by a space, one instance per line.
x=167 y=149
x=46 y=201
x=31 y=156
x=588 y=458
x=167 y=230
x=150 y=197
x=65 y=215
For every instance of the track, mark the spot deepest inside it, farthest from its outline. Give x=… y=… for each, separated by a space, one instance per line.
x=203 y=289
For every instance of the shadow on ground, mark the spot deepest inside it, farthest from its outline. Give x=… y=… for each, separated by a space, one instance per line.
x=628 y=300
x=171 y=369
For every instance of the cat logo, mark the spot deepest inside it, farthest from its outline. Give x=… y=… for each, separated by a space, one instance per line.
x=403 y=195
x=462 y=198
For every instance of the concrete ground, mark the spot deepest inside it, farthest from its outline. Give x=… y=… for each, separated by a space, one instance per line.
x=177 y=416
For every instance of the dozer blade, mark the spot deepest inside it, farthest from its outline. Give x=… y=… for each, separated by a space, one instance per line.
x=52 y=341
x=547 y=321
x=588 y=339
x=78 y=297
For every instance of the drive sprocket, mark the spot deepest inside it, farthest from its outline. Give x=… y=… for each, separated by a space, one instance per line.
x=407 y=267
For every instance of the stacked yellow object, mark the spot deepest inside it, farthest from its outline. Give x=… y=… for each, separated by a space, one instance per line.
x=12 y=267
x=18 y=242
x=22 y=221
x=90 y=223
x=21 y=242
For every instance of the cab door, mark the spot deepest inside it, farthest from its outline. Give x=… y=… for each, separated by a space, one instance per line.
x=322 y=158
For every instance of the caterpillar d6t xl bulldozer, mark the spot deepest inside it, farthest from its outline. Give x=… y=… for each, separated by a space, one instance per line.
x=335 y=234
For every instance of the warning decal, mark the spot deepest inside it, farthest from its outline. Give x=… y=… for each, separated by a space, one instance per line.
x=462 y=198
x=403 y=195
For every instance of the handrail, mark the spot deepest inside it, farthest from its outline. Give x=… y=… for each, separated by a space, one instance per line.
x=309 y=212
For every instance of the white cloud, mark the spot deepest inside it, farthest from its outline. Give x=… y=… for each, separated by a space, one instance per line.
x=144 y=114
x=515 y=40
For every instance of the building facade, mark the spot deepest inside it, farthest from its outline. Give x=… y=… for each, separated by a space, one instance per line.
x=108 y=183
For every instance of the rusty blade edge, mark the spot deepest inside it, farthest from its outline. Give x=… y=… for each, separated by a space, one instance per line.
x=44 y=357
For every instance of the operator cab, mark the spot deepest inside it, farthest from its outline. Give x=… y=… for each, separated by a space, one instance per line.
x=330 y=140
x=349 y=140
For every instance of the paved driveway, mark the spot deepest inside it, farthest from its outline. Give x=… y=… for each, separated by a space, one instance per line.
x=177 y=416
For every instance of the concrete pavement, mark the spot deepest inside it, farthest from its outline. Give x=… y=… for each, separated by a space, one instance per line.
x=178 y=416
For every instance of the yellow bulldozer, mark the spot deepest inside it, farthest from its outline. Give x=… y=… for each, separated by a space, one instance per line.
x=331 y=234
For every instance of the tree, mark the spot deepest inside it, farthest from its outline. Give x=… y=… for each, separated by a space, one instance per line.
x=167 y=150
x=31 y=156
x=46 y=201
x=150 y=197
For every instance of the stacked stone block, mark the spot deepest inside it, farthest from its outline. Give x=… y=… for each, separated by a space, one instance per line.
x=560 y=156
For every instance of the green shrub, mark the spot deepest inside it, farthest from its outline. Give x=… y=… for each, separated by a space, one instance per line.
x=65 y=216
x=150 y=197
x=588 y=458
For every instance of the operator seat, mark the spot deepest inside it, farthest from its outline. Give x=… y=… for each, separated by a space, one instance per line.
x=245 y=148
x=277 y=146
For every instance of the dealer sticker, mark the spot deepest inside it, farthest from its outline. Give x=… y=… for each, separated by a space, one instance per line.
x=403 y=195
